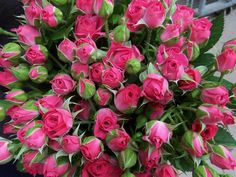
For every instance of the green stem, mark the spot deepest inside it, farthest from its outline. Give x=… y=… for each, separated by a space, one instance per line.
x=209 y=73
x=187 y=108
x=58 y=63
x=7 y=33
x=92 y=105
x=107 y=32
x=33 y=88
x=221 y=78
x=149 y=36
x=166 y=115
x=182 y=121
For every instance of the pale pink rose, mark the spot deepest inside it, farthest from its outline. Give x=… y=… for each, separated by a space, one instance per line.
x=66 y=50
x=32 y=13
x=70 y=144
x=166 y=170
x=6 y=156
x=86 y=6
x=226 y=61
x=96 y=70
x=34 y=55
x=171 y=32
x=149 y=157
x=112 y=77
x=32 y=168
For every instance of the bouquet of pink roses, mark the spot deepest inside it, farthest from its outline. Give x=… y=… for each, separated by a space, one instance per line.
x=97 y=88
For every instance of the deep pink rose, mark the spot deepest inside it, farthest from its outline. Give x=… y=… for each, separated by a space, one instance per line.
x=4 y=63
x=96 y=71
x=106 y=120
x=171 y=33
x=7 y=78
x=226 y=61
x=215 y=95
x=79 y=70
x=55 y=145
x=35 y=56
x=6 y=156
x=85 y=108
x=70 y=144
x=102 y=97
x=57 y=122
x=89 y=26
x=149 y=158
x=165 y=170
x=126 y=99
x=32 y=13
x=86 y=6
x=66 y=50
x=48 y=102
x=9 y=128
x=48 y=16
x=154 y=111
x=112 y=77
x=200 y=30
x=63 y=84
x=228 y=117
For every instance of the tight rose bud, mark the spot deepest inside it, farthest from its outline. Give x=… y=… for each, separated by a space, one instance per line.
x=102 y=97
x=21 y=72
x=66 y=50
x=8 y=80
x=133 y=66
x=86 y=88
x=63 y=84
x=230 y=44
x=121 y=33
x=106 y=120
x=154 y=111
x=171 y=34
x=4 y=63
x=204 y=171
x=32 y=13
x=96 y=70
x=126 y=99
x=36 y=55
x=11 y=52
x=112 y=77
x=192 y=51
x=86 y=6
x=149 y=158
x=193 y=144
x=6 y=156
x=222 y=158
x=2 y=114
x=154 y=15
x=16 y=96
x=226 y=61
x=55 y=145
x=48 y=102
x=70 y=144
x=209 y=114
x=27 y=34
x=85 y=108
x=157 y=133
x=79 y=70
x=103 y=8
x=228 y=117
x=127 y=158
x=91 y=148
x=117 y=140
x=9 y=128
x=165 y=170
x=52 y=16
x=38 y=74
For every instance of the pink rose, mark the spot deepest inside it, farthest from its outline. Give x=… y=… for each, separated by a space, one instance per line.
x=126 y=99
x=55 y=145
x=200 y=30
x=70 y=144
x=7 y=79
x=165 y=170
x=96 y=71
x=49 y=102
x=57 y=122
x=106 y=120
x=149 y=158
x=49 y=15
x=89 y=26
x=112 y=77
x=157 y=133
x=86 y=6
x=102 y=167
x=79 y=70
x=36 y=55
x=228 y=117
x=196 y=77
x=27 y=34
x=6 y=156
x=9 y=128
x=183 y=16
x=102 y=97
x=66 y=50
x=215 y=95
x=171 y=33
x=32 y=13
x=63 y=84
x=230 y=44
x=91 y=148
x=4 y=63
x=226 y=61
x=154 y=15
x=85 y=108
x=119 y=55
x=154 y=111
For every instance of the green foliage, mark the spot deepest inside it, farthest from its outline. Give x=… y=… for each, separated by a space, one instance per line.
x=225 y=138
x=206 y=59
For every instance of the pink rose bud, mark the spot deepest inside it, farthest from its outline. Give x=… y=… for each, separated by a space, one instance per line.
x=200 y=30
x=119 y=55
x=8 y=80
x=154 y=15
x=49 y=102
x=222 y=158
x=215 y=95
x=183 y=16
x=86 y=88
x=157 y=133
x=171 y=34
x=38 y=74
x=126 y=99
x=63 y=84
x=226 y=61
x=21 y=72
x=24 y=113
x=79 y=70
x=117 y=140
x=52 y=167
x=52 y=16
x=110 y=167
x=32 y=135
x=204 y=171
x=6 y=156
x=102 y=97
x=2 y=114
x=4 y=63
x=165 y=170
x=106 y=120
x=188 y=84
x=55 y=145
x=33 y=168
x=194 y=144
x=16 y=96
x=103 y=8
x=210 y=114
x=228 y=117
x=89 y=26
x=85 y=109
x=154 y=111
x=32 y=13
x=96 y=70
x=85 y=6
x=192 y=51
x=57 y=122
x=28 y=35
x=91 y=148
x=149 y=157
x=70 y=144
x=11 y=52
x=9 y=128
x=121 y=33
x=66 y=50
x=112 y=77
x=36 y=55
x=230 y=44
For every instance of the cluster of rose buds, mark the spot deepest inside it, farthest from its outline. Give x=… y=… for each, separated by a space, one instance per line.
x=94 y=102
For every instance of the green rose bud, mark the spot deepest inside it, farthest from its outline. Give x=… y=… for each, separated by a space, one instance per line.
x=16 y=96
x=128 y=174
x=204 y=171
x=133 y=66
x=121 y=33
x=11 y=52
x=38 y=74
x=192 y=51
x=103 y=8
x=127 y=158
x=86 y=88
x=21 y=72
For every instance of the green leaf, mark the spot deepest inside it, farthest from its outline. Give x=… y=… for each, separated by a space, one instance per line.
x=5 y=104
x=224 y=137
x=206 y=59
x=216 y=32
x=226 y=83
x=184 y=164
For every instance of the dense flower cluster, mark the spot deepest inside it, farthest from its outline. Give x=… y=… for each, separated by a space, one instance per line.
x=135 y=100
